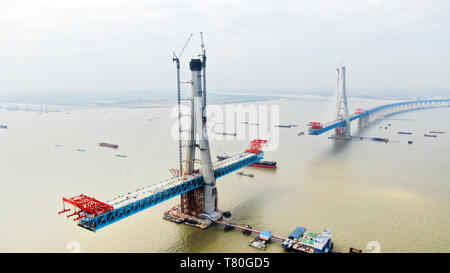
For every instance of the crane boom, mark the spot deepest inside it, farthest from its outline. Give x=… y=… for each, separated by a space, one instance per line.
x=177 y=58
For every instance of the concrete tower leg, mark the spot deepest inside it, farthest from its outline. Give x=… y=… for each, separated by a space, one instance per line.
x=209 y=189
x=192 y=201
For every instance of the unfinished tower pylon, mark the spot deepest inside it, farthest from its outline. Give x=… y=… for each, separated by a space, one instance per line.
x=202 y=201
x=198 y=206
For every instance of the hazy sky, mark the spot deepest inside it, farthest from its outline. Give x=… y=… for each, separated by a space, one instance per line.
x=119 y=45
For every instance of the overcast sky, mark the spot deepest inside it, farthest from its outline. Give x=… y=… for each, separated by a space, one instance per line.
x=126 y=45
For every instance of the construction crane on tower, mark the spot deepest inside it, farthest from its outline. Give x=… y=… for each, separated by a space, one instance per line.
x=176 y=59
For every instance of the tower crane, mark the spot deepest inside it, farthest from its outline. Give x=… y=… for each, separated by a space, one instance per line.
x=202 y=43
x=176 y=59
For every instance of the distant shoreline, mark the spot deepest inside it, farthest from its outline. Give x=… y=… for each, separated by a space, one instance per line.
x=66 y=102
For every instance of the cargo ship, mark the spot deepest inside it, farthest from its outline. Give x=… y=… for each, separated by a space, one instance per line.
x=265 y=164
x=250 y=123
x=308 y=242
x=103 y=144
x=226 y=134
x=260 y=164
x=380 y=139
x=426 y=135
x=404 y=133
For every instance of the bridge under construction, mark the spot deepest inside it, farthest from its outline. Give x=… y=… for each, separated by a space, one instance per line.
x=197 y=186
x=341 y=124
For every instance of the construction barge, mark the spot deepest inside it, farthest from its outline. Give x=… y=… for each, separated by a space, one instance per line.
x=304 y=241
x=299 y=240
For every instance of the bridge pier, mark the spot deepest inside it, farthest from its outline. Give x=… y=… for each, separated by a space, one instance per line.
x=363 y=121
x=342 y=132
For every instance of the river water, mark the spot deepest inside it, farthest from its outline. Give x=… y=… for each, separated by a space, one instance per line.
x=393 y=194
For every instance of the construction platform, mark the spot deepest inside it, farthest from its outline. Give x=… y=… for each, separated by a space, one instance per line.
x=175 y=215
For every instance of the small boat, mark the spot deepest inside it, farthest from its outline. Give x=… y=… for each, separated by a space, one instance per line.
x=121 y=155
x=222 y=157
x=4 y=126
x=258 y=244
x=226 y=214
x=437 y=132
x=228 y=228
x=245 y=174
x=426 y=135
x=249 y=123
x=261 y=240
x=226 y=134
x=80 y=150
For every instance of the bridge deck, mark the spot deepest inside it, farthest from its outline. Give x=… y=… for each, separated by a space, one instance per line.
x=341 y=122
x=143 y=198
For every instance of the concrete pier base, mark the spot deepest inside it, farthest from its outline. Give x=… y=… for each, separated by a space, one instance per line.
x=175 y=215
